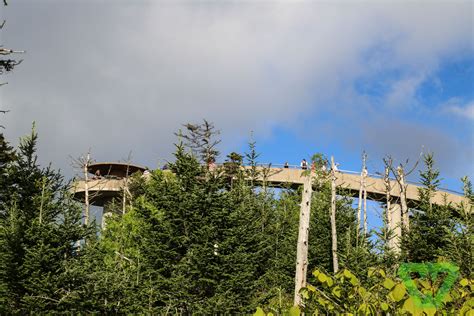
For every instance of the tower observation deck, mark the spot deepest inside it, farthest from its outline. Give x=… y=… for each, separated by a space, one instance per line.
x=105 y=182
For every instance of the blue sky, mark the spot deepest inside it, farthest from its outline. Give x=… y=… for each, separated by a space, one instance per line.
x=433 y=105
x=450 y=87
x=393 y=78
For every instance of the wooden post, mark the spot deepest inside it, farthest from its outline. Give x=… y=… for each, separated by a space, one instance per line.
x=335 y=263
x=303 y=236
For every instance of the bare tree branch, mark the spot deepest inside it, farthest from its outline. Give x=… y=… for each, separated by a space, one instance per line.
x=8 y=64
x=415 y=165
x=201 y=140
x=126 y=191
x=8 y=51
x=3 y=112
x=82 y=164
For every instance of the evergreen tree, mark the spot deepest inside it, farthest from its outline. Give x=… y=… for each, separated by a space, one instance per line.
x=460 y=240
x=278 y=283
x=352 y=256
x=430 y=224
x=189 y=244
x=200 y=138
x=7 y=156
x=39 y=227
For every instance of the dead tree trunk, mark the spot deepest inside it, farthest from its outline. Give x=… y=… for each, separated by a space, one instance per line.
x=303 y=236
x=365 y=202
x=82 y=164
x=388 y=198
x=403 y=197
x=362 y=196
x=335 y=263
x=86 y=189
x=359 y=206
x=126 y=191
x=390 y=215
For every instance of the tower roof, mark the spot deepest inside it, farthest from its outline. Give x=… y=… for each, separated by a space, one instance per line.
x=116 y=169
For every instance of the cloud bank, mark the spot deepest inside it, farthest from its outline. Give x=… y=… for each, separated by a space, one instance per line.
x=120 y=76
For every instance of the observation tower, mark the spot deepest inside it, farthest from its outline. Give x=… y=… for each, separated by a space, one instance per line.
x=105 y=184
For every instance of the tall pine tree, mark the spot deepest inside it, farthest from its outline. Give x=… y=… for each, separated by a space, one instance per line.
x=430 y=223
x=39 y=227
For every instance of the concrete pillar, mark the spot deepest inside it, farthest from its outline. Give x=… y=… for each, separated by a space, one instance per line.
x=395 y=225
x=303 y=236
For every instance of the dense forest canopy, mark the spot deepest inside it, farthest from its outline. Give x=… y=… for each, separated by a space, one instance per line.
x=195 y=239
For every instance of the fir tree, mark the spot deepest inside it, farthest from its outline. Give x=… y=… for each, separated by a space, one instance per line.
x=200 y=138
x=39 y=227
x=460 y=240
x=189 y=244
x=430 y=224
x=7 y=156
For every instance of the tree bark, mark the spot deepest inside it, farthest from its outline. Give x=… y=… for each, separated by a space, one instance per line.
x=388 y=198
x=335 y=262
x=403 y=198
x=365 y=202
x=362 y=195
x=359 y=206
x=303 y=236
x=86 y=190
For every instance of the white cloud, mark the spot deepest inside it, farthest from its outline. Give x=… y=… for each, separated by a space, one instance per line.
x=403 y=92
x=465 y=111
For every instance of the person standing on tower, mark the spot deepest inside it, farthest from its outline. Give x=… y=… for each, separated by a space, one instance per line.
x=304 y=164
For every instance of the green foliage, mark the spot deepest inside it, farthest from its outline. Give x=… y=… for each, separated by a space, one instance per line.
x=251 y=160
x=232 y=165
x=39 y=230
x=345 y=294
x=189 y=243
x=200 y=138
x=429 y=272
x=460 y=241
x=7 y=156
x=203 y=240
x=430 y=224
x=356 y=257
x=319 y=161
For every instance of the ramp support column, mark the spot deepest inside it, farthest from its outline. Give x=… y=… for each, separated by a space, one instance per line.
x=395 y=225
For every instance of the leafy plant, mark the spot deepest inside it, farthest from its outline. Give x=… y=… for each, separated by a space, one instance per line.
x=345 y=294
